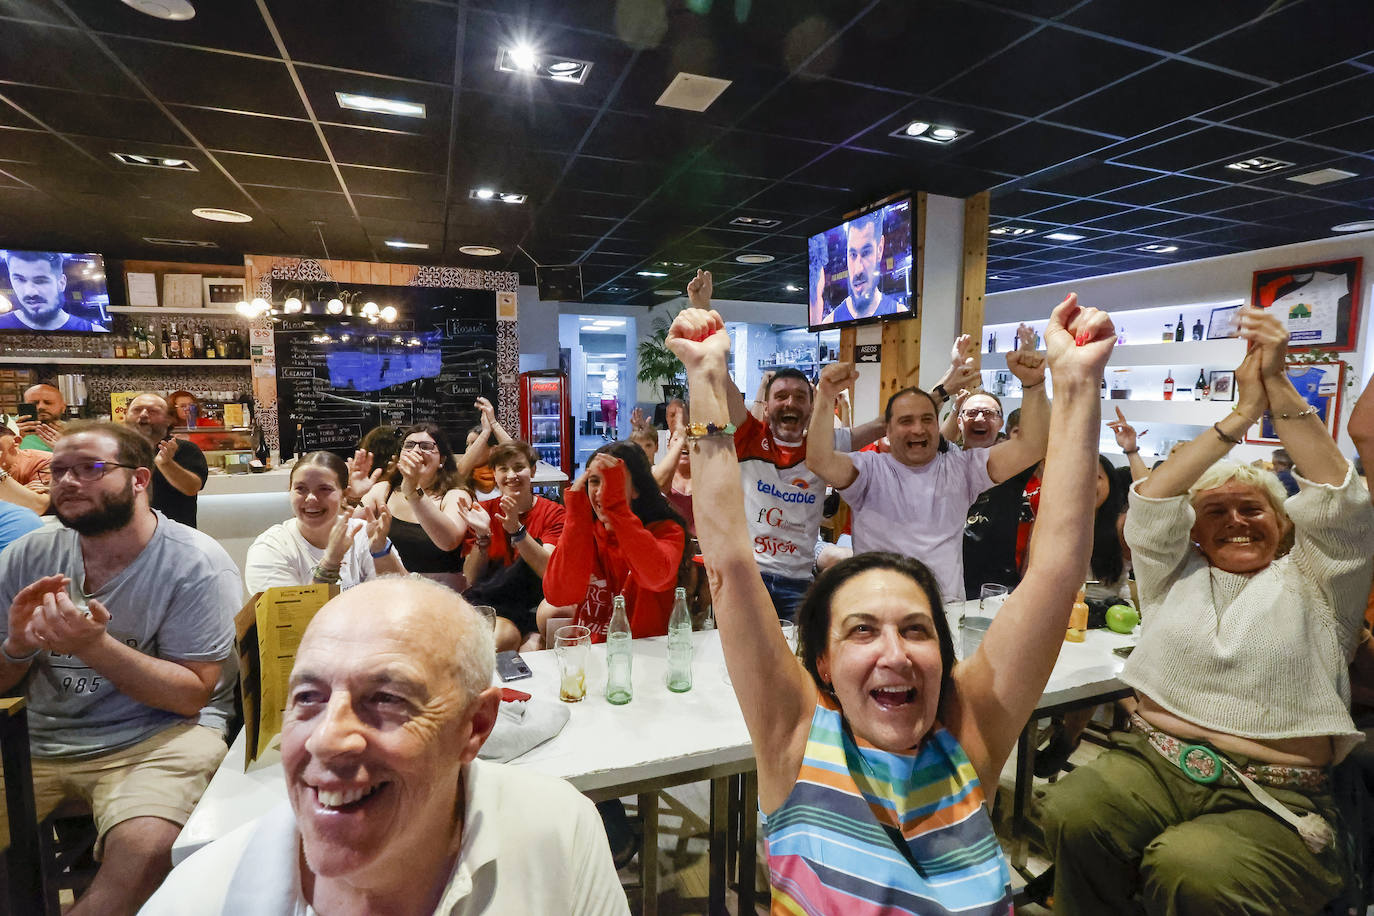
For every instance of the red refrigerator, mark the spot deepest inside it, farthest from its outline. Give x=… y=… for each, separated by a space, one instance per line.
x=544 y=416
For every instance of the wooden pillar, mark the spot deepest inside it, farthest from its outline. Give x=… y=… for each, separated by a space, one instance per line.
x=976 y=209
x=901 y=340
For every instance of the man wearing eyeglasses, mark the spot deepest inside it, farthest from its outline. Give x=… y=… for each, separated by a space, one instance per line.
x=179 y=468
x=120 y=628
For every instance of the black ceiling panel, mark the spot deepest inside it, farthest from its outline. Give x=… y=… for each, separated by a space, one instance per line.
x=405 y=38
x=1159 y=190
x=64 y=58
x=1078 y=212
x=281 y=173
x=1162 y=94
x=211 y=80
x=1331 y=106
x=1181 y=26
x=233 y=25
x=223 y=130
x=1089 y=177
x=822 y=109
x=1196 y=149
x=1031 y=147
x=389 y=149
x=1331 y=33
x=96 y=116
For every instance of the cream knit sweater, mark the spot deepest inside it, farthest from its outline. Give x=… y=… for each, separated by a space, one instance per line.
x=1259 y=655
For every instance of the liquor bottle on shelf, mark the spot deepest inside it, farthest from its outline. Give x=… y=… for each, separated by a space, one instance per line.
x=144 y=343
x=992 y=342
x=197 y=342
x=1168 y=332
x=222 y=345
x=210 y=343
x=1169 y=386
x=120 y=352
x=1198 y=330
x=165 y=351
x=1200 y=388
x=1178 y=330
x=187 y=346
x=173 y=343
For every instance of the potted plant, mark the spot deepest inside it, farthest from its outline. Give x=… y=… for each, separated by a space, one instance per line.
x=657 y=364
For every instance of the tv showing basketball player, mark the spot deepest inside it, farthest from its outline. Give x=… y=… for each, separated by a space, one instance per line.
x=860 y=271
x=50 y=292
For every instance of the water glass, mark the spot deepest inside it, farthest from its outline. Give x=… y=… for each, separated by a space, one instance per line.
x=990 y=598
x=571 y=645
x=971 y=632
x=487 y=613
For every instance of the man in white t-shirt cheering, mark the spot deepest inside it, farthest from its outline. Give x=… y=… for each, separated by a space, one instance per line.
x=914 y=499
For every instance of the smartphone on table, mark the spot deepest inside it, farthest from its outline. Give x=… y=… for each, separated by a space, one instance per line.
x=511 y=666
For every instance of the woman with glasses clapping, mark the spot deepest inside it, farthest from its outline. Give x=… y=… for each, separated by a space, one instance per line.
x=427 y=497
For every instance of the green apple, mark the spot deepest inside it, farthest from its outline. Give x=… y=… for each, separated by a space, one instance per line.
x=1122 y=618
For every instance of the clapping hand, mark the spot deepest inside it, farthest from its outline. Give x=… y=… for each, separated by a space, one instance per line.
x=361 y=475
x=341 y=538
x=1125 y=433
x=59 y=627
x=23 y=637
x=510 y=515
x=1263 y=331
x=479 y=522
x=377 y=524
x=166 y=451
x=487 y=411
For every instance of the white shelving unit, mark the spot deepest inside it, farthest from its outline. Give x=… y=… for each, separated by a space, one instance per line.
x=100 y=361
x=149 y=310
x=1217 y=354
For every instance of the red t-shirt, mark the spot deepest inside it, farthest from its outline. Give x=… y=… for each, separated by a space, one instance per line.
x=543 y=522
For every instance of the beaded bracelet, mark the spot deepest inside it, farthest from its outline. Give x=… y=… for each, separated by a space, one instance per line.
x=707 y=430
x=1309 y=412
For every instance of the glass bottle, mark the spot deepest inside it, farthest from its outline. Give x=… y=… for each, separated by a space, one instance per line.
x=1169 y=386
x=166 y=351
x=187 y=346
x=222 y=345
x=1198 y=330
x=619 y=657
x=173 y=344
x=1168 y=332
x=1200 y=386
x=1178 y=330
x=1078 y=620
x=680 y=644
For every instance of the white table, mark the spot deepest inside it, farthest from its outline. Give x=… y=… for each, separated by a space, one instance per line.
x=660 y=739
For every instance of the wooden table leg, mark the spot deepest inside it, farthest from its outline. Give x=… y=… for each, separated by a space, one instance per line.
x=748 y=841
x=720 y=829
x=648 y=853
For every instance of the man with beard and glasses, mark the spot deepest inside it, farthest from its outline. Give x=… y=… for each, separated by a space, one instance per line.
x=179 y=467
x=914 y=500
x=121 y=630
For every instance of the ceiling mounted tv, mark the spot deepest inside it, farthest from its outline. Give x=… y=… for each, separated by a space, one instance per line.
x=52 y=292
x=861 y=271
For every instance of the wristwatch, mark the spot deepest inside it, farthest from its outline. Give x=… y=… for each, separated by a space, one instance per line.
x=4 y=475
x=518 y=535
x=940 y=390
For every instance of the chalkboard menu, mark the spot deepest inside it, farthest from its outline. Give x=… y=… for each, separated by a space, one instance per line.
x=337 y=377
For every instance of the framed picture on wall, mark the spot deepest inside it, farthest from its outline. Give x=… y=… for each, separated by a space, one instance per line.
x=1223 y=385
x=1221 y=324
x=1320 y=385
x=224 y=292
x=1320 y=303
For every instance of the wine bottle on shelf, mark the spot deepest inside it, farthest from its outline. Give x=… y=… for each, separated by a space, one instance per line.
x=210 y=343
x=187 y=347
x=1178 y=330
x=1168 y=332
x=1169 y=386
x=1200 y=388
x=1198 y=330
x=144 y=343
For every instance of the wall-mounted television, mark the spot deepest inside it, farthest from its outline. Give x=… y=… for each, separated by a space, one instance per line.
x=861 y=270
x=53 y=292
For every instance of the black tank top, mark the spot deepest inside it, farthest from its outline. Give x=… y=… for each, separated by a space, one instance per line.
x=418 y=552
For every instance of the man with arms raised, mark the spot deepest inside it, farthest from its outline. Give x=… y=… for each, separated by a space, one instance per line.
x=120 y=625
x=390 y=811
x=914 y=500
x=40 y=286
x=864 y=255
x=179 y=470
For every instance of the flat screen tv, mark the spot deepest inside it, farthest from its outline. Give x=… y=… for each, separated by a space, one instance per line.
x=860 y=271
x=53 y=292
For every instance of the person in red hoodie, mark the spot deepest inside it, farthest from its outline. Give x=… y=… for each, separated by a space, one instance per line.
x=620 y=537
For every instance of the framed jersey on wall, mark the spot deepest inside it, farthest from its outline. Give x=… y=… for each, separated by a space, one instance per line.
x=1320 y=385
x=1319 y=303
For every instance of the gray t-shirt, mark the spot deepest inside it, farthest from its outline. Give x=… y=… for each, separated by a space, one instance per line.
x=176 y=601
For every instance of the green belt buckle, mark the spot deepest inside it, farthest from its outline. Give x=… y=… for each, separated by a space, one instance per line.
x=1193 y=771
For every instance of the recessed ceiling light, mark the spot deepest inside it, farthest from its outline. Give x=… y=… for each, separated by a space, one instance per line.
x=756 y=222
x=221 y=215
x=618 y=290
x=670 y=264
x=1259 y=165
x=510 y=197
x=482 y=193
x=525 y=59
x=180 y=243
x=667 y=292
x=172 y=10
x=1065 y=237
x=792 y=288
x=397 y=243
x=1011 y=230
x=1000 y=277
x=1362 y=225
x=480 y=251
x=1322 y=176
x=506 y=197
x=650 y=273
x=692 y=92
x=1158 y=249
x=154 y=162
x=927 y=132
x=754 y=258
x=375 y=105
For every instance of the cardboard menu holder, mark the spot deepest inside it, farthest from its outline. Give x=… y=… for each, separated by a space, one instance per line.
x=268 y=630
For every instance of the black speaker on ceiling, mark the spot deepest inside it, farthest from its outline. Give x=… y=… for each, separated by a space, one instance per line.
x=559 y=283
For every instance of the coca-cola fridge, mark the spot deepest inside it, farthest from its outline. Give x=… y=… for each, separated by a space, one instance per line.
x=544 y=416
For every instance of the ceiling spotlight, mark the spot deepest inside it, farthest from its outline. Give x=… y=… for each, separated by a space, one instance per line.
x=388 y=313
x=508 y=197
x=1260 y=165
x=171 y=10
x=1000 y=277
x=221 y=215
x=756 y=222
x=754 y=258
x=650 y=273
x=927 y=132
x=334 y=307
x=179 y=243
x=1362 y=225
x=374 y=105
x=1065 y=237
x=667 y=292
x=523 y=57
x=415 y=341
x=792 y=288
x=1158 y=249
x=480 y=251
x=156 y=162
x=483 y=193
x=397 y=243
x=1011 y=230
x=292 y=306
x=370 y=310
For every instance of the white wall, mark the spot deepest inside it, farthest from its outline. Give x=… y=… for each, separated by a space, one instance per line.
x=538 y=324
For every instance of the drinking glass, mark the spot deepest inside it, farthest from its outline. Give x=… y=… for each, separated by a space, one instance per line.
x=990 y=598
x=571 y=645
x=971 y=632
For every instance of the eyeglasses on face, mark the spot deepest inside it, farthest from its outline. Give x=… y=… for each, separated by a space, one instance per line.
x=86 y=471
x=973 y=413
x=422 y=446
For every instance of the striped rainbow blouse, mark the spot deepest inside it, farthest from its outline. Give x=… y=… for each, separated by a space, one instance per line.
x=833 y=844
